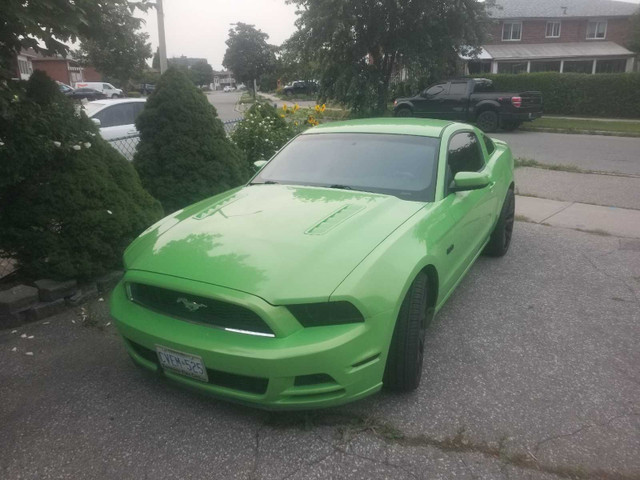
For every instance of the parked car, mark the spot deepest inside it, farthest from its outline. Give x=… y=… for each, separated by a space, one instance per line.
x=228 y=88
x=472 y=100
x=116 y=120
x=64 y=88
x=147 y=88
x=300 y=88
x=315 y=283
x=109 y=90
x=85 y=94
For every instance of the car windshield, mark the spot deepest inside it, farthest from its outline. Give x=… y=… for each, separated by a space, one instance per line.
x=399 y=165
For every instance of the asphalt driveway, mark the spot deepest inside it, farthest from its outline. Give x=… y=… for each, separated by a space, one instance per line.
x=531 y=372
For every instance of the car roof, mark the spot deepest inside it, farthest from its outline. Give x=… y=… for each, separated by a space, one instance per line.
x=111 y=101
x=425 y=127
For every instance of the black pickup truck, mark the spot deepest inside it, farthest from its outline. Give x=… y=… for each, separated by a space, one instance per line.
x=472 y=100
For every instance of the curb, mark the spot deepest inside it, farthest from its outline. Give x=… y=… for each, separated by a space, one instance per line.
x=580 y=132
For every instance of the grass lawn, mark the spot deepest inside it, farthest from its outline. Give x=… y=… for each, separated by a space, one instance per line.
x=566 y=124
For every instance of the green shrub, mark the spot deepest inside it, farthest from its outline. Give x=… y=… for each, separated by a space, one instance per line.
x=262 y=132
x=184 y=154
x=600 y=95
x=69 y=203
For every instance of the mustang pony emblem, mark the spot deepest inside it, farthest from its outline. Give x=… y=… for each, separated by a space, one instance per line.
x=191 y=306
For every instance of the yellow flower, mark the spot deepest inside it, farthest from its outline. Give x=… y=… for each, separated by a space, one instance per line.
x=296 y=107
x=295 y=123
x=284 y=107
x=323 y=107
x=282 y=115
x=317 y=108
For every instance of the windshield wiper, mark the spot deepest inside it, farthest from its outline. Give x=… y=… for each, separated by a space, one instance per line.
x=268 y=182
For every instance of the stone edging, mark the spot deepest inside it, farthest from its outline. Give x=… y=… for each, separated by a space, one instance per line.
x=44 y=298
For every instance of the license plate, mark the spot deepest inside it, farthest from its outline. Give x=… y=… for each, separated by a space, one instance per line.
x=182 y=363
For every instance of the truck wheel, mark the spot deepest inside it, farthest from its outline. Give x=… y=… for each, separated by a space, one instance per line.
x=510 y=125
x=406 y=353
x=404 y=112
x=487 y=121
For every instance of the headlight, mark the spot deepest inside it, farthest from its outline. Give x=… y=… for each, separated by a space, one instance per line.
x=324 y=314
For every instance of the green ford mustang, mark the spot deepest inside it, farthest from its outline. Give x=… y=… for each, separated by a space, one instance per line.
x=314 y=284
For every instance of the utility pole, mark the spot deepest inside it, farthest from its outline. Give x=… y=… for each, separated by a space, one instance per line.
x=162 y=46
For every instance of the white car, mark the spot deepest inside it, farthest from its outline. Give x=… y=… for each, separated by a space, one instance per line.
x=106 y=88
x=228 y=89
x=116 y=120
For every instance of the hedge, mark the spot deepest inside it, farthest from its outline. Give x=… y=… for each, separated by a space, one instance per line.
x=600 y=95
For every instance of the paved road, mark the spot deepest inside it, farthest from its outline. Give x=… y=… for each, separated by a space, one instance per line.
x=589 y=152
x=225 y=104
x=531 y=370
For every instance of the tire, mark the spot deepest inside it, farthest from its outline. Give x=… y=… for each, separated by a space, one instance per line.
x=487 y=121
x=288 y=93
x=501 y=236
x=510 y=125
x=404 y=112
x=406 y=353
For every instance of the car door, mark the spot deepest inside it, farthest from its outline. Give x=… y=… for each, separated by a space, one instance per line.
x=453 y=105
x=117 y=120
x=429 y=103
x=472 y=211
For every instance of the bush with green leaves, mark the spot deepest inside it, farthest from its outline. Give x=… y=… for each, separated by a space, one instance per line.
x=69 y=202
x=262 y=132
x=184 y=154
x=600 y=95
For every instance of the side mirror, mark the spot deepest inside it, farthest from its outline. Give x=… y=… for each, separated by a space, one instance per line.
x=464 y=181
x=424 y=94
x=96 y=122
x=259 y=164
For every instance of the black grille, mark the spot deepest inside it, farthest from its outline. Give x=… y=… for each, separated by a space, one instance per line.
x=233 y=381
x=208 y=311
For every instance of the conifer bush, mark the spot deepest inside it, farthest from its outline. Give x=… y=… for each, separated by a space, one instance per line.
x=69 y=202
x=184 y=154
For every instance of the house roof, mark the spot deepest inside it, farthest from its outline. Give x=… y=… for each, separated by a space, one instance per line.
x=556 y=50
x=561 y=8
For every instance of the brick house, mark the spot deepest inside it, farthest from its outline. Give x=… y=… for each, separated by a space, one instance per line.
x=64 y=70
x=582 y=36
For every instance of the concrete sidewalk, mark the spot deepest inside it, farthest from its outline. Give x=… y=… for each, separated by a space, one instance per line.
x=620 y=222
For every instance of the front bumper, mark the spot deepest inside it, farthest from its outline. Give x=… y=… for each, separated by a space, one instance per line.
x=299 y=368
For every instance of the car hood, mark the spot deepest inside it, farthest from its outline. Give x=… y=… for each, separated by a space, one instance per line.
x=281 y=243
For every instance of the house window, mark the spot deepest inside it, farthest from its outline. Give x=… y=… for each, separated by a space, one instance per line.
x=22 y=65
x=578 y=66
x=618 y=65
x=512 y=67
x=545 y=66
x=511 y=31
x=553 y=30
x=596 y=30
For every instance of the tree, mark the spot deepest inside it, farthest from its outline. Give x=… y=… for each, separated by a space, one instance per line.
x=184 y=154
x=633 y=42
x=54 y=24
x=119 y=50
x=69 y=202
x=248 y=54
x=357 y=43
x=201 y=73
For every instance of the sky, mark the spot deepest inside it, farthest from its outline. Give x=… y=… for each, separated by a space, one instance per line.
x=199 y=28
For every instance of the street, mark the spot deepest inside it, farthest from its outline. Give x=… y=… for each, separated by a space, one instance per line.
x=225 y=104
x=530 y=372
x=588 y=152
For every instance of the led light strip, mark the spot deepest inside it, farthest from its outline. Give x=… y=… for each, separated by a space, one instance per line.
x=247 y=332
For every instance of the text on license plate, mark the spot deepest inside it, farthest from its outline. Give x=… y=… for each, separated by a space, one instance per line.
x=183 y=363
